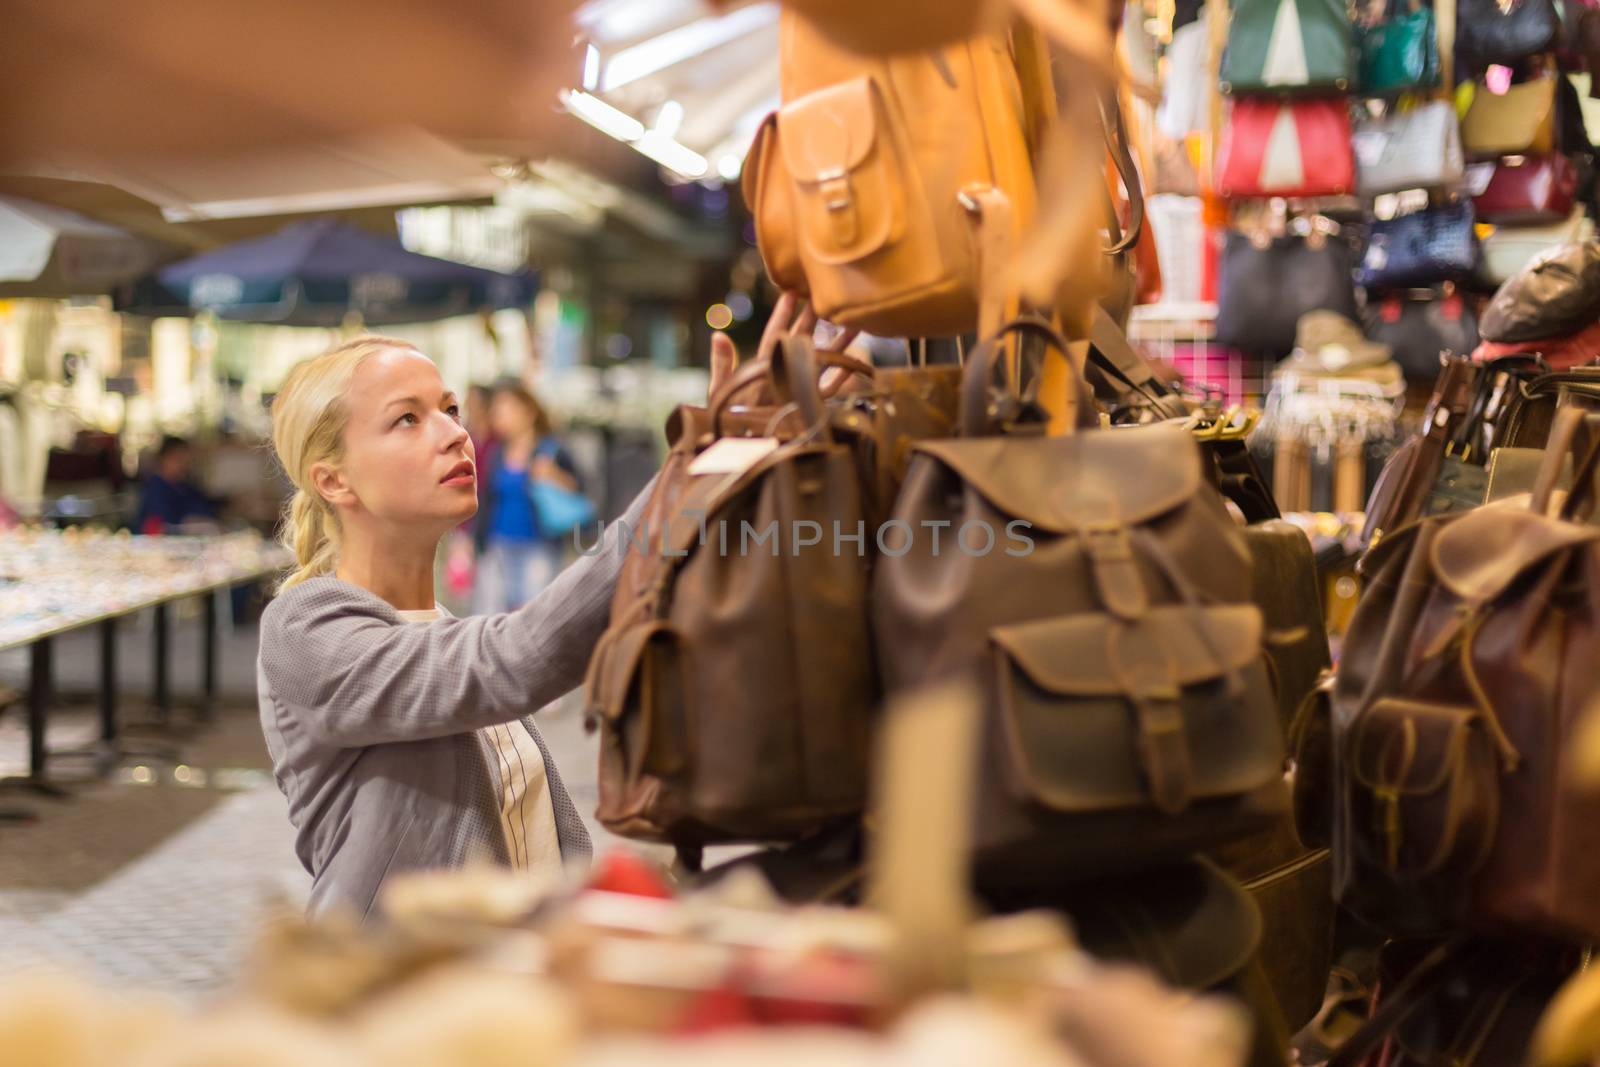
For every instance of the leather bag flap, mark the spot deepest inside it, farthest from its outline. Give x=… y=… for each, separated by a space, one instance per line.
x=1481 y=553
x=830 y=131
x=1072 y=728
x=1063 y=484
x=622 y=653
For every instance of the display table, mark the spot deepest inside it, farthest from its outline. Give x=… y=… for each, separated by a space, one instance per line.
x=54 y=582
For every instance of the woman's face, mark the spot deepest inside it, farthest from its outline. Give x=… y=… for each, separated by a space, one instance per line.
x=407 y=457
x=509 y=418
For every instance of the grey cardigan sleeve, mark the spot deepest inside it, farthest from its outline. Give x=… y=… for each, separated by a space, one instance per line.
x=344 y=665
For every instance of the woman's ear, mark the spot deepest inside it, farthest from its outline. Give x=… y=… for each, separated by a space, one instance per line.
x=329 y=483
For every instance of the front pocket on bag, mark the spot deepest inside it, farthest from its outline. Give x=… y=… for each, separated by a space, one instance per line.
x=640 y=696
x=847 y=176
x=1424 y=789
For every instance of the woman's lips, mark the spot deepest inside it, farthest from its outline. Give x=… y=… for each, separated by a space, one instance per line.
x=461 y=474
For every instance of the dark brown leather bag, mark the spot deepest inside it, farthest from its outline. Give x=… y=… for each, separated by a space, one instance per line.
x=1467 y=664
x=1533 y=408
x=1400 y=494
x=1131 y=717
x=735 y=688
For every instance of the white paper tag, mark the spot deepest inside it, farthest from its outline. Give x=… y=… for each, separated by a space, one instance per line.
x=1477 y=178
x=1370 y=146
x=733 y=455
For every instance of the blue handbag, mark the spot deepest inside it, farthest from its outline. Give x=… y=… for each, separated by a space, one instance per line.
x=559 y=510
x=1417 y=250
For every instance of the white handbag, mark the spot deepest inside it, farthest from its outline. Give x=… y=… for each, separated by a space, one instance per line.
x=1415 y=149
x=1510 y=248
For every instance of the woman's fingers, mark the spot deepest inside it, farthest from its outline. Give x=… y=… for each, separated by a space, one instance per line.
x=724 y=361
x=777 y=323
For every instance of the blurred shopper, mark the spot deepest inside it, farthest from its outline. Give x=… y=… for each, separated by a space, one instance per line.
x=477 y=415
x=168 y=495
x=517 y=555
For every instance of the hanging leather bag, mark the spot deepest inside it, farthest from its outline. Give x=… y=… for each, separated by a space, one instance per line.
x=1528 y=191
x=1265 y=54
x=1286 y=148
x=1465 y=669
x=734 y=689
x=1421 y=331
x=1400 y=494
x=1488 y=31
x=1419 y=148
x=1420 y=249
x=1265 y=286
x=1532 y=410
x=1131 y=719
x=1400 y=53
x=1520 y=120
x=883 y=181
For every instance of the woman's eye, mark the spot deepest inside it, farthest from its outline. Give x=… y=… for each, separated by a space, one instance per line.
x=408 y=419
x=454 y=411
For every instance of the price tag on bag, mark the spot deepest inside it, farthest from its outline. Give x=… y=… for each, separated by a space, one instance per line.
x=1477 y=178
x=733 y=455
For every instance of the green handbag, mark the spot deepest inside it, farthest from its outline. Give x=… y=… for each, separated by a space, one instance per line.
x=1399 y=53
x=1285 y=46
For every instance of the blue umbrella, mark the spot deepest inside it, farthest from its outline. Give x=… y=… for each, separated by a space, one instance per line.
x=315 y=273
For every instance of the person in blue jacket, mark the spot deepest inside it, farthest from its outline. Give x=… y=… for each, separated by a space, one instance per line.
x=516 y=559
x=168 y=496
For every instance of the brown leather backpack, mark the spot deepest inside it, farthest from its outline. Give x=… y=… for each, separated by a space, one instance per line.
x=870 y=183
x=1468 y=662
x=1098 y=587
x=735 y=688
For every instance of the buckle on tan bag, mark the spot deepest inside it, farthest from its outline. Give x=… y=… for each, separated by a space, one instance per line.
x=1115 y=569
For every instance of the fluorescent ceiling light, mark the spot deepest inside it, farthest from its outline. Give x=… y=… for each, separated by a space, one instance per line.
x=672 y=155
x=602 y=116
x=686 y=42
x=591 y=67
x=668 y=119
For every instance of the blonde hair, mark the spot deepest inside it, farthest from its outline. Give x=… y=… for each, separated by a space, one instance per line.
x=308 y=421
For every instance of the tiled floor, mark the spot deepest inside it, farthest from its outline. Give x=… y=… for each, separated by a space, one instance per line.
x=157 y=883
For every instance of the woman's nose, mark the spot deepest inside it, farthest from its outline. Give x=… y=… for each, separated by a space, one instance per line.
x=454 y=433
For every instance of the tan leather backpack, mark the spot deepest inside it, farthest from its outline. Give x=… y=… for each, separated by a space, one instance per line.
x=885 y=187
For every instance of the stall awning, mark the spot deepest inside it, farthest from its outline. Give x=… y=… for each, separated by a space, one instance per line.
x=46 y=251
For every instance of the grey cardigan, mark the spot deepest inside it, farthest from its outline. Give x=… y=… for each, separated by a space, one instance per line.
x=369 y=721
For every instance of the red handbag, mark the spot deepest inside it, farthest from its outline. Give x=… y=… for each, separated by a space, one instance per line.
x=1527 y=190
x=1274 y=147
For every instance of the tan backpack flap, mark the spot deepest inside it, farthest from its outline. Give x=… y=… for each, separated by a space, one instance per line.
x=767 y=194
x=1521 y=120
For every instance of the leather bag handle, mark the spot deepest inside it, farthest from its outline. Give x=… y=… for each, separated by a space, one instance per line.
x=797 y=366
x=1116 y=134
x=1563 y=433
x=973 y=410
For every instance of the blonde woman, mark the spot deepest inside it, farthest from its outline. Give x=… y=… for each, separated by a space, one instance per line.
x=402 y=737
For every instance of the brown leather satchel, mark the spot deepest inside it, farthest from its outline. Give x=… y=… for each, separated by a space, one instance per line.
x=1097 y=585
x=1465 y=669
x=1400 y=493
x=868 y=183
x=735 y=688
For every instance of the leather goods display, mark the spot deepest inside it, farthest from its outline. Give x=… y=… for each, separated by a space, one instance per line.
x=1277 y=46
x=903 y=406
x=1532 y=411
x=1521 y=120
x=1418 y=332
x=1419 y=148
x=1528 y=191
x=1274 y=147
x=1567 y=352
x=1557 y=293
x=734 y=689
x=1399 y=54
x=1131 y=717
x=1509 y=249
x=857 y=183
x=1265 y=288
x=1465 y=668
x=1488 y=31
x=1419 y=249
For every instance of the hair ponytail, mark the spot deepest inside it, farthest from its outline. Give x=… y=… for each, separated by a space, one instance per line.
x=308 y=421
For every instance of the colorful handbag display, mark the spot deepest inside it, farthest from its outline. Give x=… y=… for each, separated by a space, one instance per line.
x=1419 y=148
x=1528 y=190
x=1265 y=287
x=1286 y=148
x=1288 y=46
x=1520 y=120
x=1399 y=54
x=1418 y=331
x=1489 y=31
x=1419 y=249
x=1510 y=248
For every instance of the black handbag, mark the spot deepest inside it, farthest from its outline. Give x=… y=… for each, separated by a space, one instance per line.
x=1555 y=295
x=1487 y=33
x=1264 y=289
x=1419 y=331
x=1419 y=249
